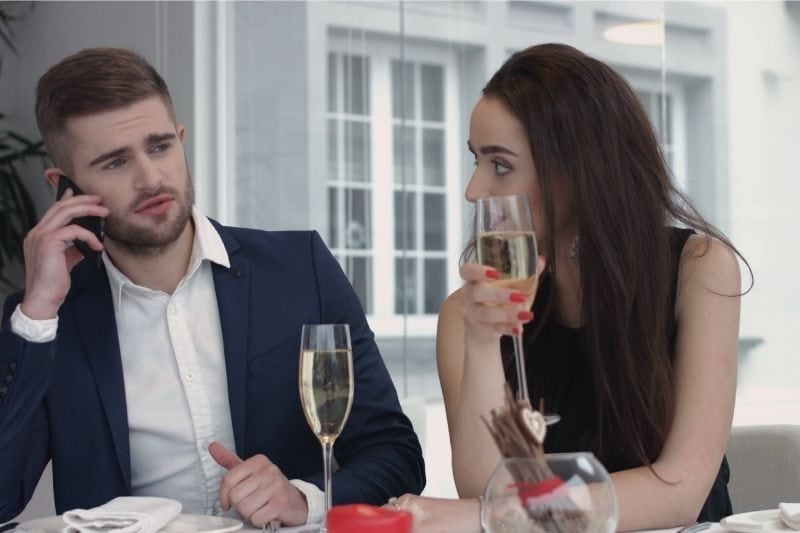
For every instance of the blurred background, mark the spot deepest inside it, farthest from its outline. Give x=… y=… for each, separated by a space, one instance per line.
x=351 y=118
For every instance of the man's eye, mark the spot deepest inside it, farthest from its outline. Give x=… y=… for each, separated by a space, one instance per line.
x=160 y=147
x=115 y=163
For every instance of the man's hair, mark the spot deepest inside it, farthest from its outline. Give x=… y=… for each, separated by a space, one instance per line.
x=93 y=80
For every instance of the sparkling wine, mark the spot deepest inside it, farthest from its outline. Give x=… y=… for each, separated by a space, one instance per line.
x=326 y=390
x=512 y=253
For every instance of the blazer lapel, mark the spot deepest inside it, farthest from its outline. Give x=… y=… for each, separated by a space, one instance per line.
x=233 y=294
x=95 y=317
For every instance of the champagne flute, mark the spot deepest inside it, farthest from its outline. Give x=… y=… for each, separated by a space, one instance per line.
x=506 y=241
x=326 y=387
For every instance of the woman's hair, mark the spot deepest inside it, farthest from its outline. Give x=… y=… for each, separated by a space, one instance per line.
x=591 y=138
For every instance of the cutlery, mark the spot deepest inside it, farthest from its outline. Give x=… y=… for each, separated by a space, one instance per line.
x=695 y=528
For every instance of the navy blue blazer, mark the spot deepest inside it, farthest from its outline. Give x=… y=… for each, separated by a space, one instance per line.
x=65 y=399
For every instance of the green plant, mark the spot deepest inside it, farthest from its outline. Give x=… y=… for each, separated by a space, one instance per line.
x=17 y=212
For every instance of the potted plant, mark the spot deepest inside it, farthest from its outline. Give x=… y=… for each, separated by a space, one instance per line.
x=17 y=211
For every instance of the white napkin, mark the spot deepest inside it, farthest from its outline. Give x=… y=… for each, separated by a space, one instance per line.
x=126 y=514
x=790 y=514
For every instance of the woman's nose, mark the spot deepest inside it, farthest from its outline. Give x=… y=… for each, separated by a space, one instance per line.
x=474 y=189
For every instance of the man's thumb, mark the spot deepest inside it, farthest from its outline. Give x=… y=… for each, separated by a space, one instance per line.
x=223 y=456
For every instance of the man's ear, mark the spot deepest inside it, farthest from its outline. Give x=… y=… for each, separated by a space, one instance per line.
x=181 y=132
x=52 y=174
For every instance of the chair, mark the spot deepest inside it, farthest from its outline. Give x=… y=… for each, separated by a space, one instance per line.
x=42 y=503
x=765 y=466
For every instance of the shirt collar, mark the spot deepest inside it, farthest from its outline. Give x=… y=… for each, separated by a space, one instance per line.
x=206 y=246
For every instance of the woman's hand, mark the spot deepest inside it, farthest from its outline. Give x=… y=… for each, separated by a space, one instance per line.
x=439 y=515
x=492 y=307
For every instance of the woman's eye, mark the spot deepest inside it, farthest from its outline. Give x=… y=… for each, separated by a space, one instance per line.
x=501 y=168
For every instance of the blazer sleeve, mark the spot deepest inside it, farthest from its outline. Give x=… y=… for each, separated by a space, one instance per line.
x=26 y=370
x=378 y=452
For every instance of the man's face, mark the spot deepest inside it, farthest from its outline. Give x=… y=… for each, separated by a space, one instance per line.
x=133 y=159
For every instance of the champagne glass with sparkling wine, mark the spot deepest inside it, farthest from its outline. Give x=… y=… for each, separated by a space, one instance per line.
x=506 y=241
x=326 y=387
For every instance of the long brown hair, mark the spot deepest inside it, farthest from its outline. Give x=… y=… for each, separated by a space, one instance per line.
x=589 y=134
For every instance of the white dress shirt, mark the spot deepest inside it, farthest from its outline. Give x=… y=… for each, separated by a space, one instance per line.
x=176 y=387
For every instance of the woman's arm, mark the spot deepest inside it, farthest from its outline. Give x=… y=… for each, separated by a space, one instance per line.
x=707 y=313
x=470 y=389
x=471 y=322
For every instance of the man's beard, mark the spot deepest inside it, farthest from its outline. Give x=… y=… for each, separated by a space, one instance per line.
x=137 y=240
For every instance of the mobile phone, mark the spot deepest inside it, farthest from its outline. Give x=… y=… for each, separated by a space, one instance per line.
x=96 y=225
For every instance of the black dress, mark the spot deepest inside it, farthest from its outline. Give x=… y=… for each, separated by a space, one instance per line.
x=559 y=369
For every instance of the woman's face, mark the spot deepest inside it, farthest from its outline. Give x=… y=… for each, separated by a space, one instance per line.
x=503 y=159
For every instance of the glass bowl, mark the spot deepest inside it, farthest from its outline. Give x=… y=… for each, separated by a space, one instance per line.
x=563 y=492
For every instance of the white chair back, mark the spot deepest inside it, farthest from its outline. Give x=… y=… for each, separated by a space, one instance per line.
x=765 y=466
x=42 y=502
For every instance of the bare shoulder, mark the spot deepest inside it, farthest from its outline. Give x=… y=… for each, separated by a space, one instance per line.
x=451 y=307
x=709 y=268
x=450 y=330
x=710 y=264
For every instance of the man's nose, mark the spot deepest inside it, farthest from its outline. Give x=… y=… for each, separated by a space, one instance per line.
x=148 y=176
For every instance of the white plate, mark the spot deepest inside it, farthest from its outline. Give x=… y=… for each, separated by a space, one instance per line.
x=761 y=521
x=183 y=523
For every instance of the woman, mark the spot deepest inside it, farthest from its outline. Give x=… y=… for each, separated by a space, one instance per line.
x=632 y=336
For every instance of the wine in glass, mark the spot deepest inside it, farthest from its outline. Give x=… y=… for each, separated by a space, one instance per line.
x=506 y=241
x=326 y=387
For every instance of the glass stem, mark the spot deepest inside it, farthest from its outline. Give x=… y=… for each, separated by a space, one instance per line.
x=327 y=455
x=519 y=357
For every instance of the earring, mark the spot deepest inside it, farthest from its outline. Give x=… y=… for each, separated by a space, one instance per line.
x=575 y=251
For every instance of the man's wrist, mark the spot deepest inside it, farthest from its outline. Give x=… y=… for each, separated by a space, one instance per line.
x=36 y=309
x=31 y=329
x=313 y=498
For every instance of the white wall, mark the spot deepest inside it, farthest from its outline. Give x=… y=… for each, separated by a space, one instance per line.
x=764 y=129
x=162 y=32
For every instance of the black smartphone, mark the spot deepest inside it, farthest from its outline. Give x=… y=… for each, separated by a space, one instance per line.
x=96 y=225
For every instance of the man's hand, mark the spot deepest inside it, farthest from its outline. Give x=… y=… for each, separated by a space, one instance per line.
x=49 y=256
x=258 y=490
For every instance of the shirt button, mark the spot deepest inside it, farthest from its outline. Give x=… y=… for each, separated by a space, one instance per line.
x=173 y=310
x=189 y=376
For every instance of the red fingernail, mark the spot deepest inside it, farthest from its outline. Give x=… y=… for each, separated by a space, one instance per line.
x=516 y=331
x=517 y=297
x=492 y=274
x=525 y=315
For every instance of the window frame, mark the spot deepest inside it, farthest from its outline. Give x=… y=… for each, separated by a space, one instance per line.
x=381 y=50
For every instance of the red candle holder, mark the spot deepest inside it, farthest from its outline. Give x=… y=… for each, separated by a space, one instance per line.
x=363 y=518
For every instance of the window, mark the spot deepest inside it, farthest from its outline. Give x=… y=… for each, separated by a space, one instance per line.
x=420 y=192
x=668 y=123
x=390 y=165
x=349 y=180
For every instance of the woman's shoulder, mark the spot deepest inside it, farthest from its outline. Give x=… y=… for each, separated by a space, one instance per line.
x=450 y=313
x=709 y=263
x=451 y=304
x=450 y=327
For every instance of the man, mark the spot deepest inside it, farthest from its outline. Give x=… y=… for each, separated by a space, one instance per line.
x=171 y=368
